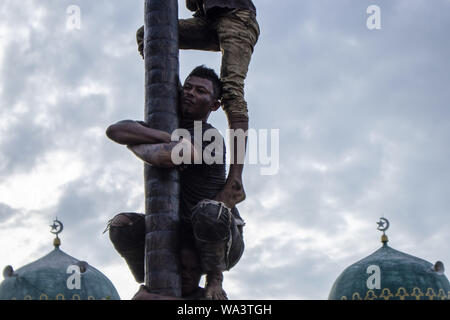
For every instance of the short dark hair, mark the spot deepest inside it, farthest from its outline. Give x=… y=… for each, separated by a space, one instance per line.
x=208 y=73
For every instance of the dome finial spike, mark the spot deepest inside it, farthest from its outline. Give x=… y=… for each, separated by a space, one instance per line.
x=57 y=228
x=383 y=225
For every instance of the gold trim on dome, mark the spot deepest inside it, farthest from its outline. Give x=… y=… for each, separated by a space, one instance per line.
x=370 y=295
x=60 y=295
x=430 y=293
x=356 y=296
x=417 y=293
x=43 y=297
x=402 y=294
x=386 y=294
x=442 y=294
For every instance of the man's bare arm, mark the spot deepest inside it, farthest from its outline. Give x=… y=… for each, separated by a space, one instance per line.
x=160 y=154
x=129 y=132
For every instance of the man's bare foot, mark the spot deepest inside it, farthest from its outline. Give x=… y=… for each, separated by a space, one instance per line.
x=232 y=193
x=213 y=288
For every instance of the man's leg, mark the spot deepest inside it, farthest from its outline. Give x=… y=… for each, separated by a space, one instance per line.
x=213 y=226
x=198 y=34
x=236 y=248
x=238 y=33
x=194 y=33
x=127 y=233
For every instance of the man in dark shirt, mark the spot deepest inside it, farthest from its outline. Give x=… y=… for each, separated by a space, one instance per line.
x=209 y=230
x=229 y=26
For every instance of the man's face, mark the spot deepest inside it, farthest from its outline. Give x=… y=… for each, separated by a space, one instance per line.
x=197 y=99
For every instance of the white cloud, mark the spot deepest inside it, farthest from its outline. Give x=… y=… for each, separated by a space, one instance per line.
x=41 y=187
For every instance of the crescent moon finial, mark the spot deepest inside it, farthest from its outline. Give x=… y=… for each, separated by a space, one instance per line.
x=57 y=228
x=383 y=225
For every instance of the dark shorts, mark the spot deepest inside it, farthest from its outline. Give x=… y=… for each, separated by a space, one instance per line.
x=129 y=242
x=218 y=235
x=223 y=250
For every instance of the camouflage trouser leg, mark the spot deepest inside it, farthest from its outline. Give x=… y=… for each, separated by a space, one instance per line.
x=129 y=241
x=235 y=34
x=198 y=34
x=238 y=32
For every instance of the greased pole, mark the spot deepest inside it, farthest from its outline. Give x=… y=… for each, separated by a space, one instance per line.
x=162 y=187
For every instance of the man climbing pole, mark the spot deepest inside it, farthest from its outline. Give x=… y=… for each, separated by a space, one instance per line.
x=228 y=26
x=210 y=234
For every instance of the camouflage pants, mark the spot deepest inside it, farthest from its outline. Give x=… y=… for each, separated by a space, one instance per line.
x=235 y=34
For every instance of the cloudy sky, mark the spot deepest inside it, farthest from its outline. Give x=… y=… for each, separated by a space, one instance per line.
x=364 y=129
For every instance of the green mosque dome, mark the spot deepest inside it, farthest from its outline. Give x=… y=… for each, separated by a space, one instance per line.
x=388 y=274
x=56 y=276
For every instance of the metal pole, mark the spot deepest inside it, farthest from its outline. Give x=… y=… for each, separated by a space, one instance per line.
x=162 y=265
